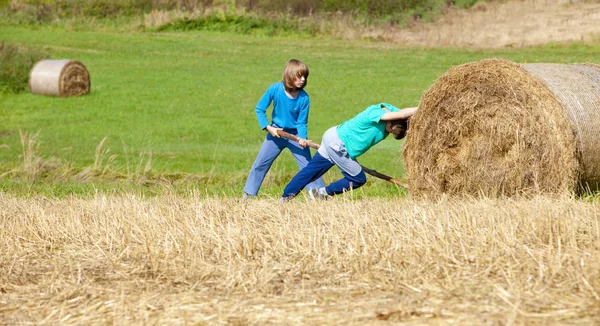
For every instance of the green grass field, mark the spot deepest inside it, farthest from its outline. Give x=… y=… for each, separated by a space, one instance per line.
x=183 y=103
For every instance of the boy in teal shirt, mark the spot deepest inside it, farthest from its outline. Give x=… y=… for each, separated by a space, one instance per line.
x=342 y=144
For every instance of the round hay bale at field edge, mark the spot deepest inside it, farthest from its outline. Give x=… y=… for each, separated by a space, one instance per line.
x=59 y=78
x=497 y=128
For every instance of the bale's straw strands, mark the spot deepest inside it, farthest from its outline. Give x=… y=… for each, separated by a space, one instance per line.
x=495 y=127
x=59 y=78
x=577 y=88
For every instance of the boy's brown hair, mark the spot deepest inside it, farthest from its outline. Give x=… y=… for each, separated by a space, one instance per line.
x=399 y=128
x=294 y=68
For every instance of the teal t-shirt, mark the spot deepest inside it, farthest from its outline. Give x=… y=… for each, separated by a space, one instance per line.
x=364 y=130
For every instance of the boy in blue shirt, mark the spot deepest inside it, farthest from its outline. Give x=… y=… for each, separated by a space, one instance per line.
x=291 y=105
x=342 y=144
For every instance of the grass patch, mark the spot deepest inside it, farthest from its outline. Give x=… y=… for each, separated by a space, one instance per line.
x=16 y=63
x=241 y=24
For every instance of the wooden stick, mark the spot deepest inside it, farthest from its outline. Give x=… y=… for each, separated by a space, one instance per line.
x=367 y=170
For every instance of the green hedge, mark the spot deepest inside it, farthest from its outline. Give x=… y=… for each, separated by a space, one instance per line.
x=15 y=65
x=47 y=10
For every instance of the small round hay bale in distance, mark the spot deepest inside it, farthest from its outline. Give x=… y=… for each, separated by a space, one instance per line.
x=497 y=128
x=59 y=78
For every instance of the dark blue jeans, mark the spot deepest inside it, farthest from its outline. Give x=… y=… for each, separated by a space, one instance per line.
x=314 y=170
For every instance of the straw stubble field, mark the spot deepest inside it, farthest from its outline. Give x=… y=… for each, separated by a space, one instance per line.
x=122 y=259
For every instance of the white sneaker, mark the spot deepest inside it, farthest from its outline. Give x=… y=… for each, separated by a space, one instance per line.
x=318 y=194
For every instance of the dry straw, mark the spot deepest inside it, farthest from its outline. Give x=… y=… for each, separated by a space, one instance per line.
x=172 y=260
x=59 y=78
x=495 y=128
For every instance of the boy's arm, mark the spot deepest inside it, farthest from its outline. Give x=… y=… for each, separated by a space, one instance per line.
x=399 y=115
x=261 y=109
x=302 y=121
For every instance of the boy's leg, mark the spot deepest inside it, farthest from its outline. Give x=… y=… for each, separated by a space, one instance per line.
x=302 y=156
x=346 y=183
x=312 y=171
x=270 y=149
x=354 y=176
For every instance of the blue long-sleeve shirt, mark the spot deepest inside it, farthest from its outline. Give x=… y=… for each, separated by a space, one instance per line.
x=288 y=113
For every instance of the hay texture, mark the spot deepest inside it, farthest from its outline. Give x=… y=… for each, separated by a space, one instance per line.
x=498 y=128
x=59 y=78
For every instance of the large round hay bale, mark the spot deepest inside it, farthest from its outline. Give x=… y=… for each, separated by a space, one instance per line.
x=497 y=128
x=59 y=78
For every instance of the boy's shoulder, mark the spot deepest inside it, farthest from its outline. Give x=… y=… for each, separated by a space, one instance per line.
x=276 y=85
x=389 y=107
x=375 y=108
